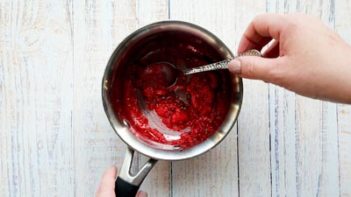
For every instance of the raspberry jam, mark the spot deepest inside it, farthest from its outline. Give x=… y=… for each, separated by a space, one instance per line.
x=170 y=116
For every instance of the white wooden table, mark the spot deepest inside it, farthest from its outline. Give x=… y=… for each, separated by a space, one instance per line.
x=55 y=139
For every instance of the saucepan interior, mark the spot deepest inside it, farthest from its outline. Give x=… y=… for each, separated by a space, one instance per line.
x=115 y=65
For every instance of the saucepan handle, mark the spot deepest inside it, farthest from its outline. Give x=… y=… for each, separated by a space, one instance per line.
x=127 y=184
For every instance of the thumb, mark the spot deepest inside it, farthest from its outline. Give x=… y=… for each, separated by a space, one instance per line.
x=253 y=67
x=107 y=183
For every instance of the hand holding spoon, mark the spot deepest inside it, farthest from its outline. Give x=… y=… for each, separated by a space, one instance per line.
x=171 y=72
x=217 y=65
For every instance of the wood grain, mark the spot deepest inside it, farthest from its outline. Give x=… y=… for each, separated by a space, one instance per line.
x=35 y=114
x=58 y=140
x=304 y=131
x=342 y=26
x=344 y=132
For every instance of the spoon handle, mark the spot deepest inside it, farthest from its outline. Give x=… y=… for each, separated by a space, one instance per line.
x=219 y=65
x=214 y=66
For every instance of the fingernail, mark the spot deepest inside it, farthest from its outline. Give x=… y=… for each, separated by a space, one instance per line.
x=234 y=66
x=142 y=194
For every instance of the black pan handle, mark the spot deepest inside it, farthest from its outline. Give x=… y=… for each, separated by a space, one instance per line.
x=125 y=189
x=127 y=184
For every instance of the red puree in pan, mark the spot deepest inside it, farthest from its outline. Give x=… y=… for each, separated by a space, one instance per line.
x=177 y=116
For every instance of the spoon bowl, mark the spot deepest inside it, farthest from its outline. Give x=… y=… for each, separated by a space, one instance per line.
x=166 y=71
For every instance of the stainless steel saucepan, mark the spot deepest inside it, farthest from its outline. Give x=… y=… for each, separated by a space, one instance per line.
x=127 y=184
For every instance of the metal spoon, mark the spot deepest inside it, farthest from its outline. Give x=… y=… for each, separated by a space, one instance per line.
x=172 y=72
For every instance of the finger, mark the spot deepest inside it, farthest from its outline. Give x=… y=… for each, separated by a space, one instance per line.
x=141 y=194
x=255 y=67
x=264 y=27
x=107 y=184
x=247 y=43
x=109 y=178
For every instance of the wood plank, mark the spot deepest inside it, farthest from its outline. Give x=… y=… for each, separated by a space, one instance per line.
x=283 y=140
x=98 y=28
x=304 y=159
x=344 y=131
x=36 y=90
x=342 y=26
x=96 y=144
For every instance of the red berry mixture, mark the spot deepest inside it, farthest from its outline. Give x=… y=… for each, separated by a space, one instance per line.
x=178 y=115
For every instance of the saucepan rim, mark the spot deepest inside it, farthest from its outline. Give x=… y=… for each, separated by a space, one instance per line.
x=121 y=128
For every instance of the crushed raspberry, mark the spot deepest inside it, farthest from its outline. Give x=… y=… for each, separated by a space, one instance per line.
x=194 y=107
